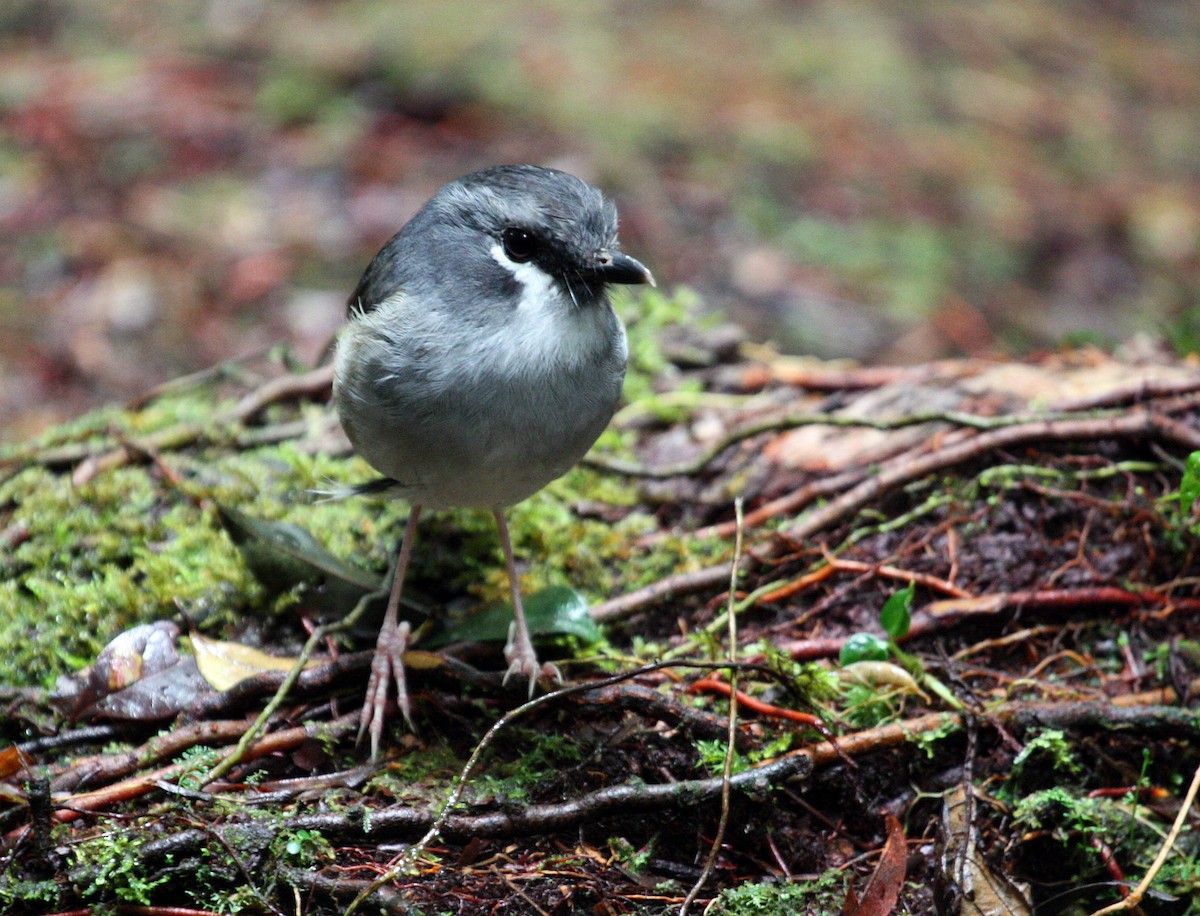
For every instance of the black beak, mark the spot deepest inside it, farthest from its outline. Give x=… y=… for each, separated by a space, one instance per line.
x=615 y=267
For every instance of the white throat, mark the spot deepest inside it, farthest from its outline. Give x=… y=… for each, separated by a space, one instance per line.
x=548 y=329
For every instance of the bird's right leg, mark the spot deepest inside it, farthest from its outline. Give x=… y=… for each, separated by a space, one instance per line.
x=388 y=663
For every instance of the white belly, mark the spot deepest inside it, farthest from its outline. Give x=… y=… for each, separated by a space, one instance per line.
x=480 y=417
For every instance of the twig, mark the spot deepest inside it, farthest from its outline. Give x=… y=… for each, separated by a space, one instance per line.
x=108 y=768
x=306 y=384
x=712 y=685
x=310 y=384
x=236 y=858
x=1141 y=390
x=310 y=646
x=668 y=587
x=802 y=372
x=75 y=806
x=386 y=900
x=1135 y=896
x=795 y=421
x=195 y=379
x=397 y=821
x=731 y=742
x=887 y=571
x=656 y=706
x=789 y=502
x=1138 y=423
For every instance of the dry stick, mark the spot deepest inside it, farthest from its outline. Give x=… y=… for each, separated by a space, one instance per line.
x=623 y=799
x=794 y=421
x=759 y=775
x=226 y=368
x=669 y=587
x=1142 y=390
x=907 y=468
x=399 y=821
x=255 y=436
x=901 y=471
x=799 y=372
x=340 y=887
x=74 y=806
x=236 y=858
x=312 y=382
x=409 y=857
x=106 y=769
x=1121 y=712
x=965 y=423
x=723 y=824
x=887 y=571
x=939 y=615
x=789 y=502
x=807 y=494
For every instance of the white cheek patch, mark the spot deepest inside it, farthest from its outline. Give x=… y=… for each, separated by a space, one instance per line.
x=539 y=287
x=546 y=328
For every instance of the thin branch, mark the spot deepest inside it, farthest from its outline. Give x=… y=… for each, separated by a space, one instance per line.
x=795 y=421
x=1136 y=424
x=731 y=741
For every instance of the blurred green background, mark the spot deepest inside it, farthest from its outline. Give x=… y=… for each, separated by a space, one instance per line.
x=890 y=181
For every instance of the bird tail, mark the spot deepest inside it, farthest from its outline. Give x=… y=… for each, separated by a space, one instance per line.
x=377 y=487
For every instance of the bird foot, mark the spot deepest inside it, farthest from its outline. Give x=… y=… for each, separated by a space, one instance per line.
x=386 y=666
x=523 y=661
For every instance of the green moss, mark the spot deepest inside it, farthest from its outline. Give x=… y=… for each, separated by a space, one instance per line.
x=645 y=317
x=543 y=757
x=110 y=867
x=824 y=895
x=129 y=546
x=417 y=778
x=14 y=891
x=99 y=558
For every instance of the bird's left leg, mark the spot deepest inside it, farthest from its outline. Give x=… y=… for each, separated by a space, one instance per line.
x=519 y=651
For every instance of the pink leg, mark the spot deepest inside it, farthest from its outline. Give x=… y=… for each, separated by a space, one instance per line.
x=388 y=663
x=519 y=651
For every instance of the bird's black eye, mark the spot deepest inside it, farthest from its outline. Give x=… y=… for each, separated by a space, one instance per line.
x=519 y=245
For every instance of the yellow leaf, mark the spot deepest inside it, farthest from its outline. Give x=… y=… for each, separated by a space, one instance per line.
x=225 y=664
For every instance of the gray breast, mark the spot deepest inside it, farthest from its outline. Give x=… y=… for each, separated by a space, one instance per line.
x=462 y=428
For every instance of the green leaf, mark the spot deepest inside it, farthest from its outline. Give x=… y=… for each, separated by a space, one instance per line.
x=283 y=556
x=895 y=616
x=864 y=647
x=933 y=685
x=556 y=611
x=1189 y=487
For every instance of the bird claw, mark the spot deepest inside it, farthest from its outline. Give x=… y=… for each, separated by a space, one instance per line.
x=523 y=661
x=387 y=665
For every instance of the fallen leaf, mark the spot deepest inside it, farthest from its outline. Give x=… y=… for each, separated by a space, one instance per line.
x=883 y=888
x=224 y=664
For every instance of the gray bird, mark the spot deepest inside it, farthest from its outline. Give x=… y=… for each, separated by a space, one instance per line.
x=481 y=360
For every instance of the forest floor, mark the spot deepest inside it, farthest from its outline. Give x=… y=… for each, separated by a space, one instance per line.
x=962 y=637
